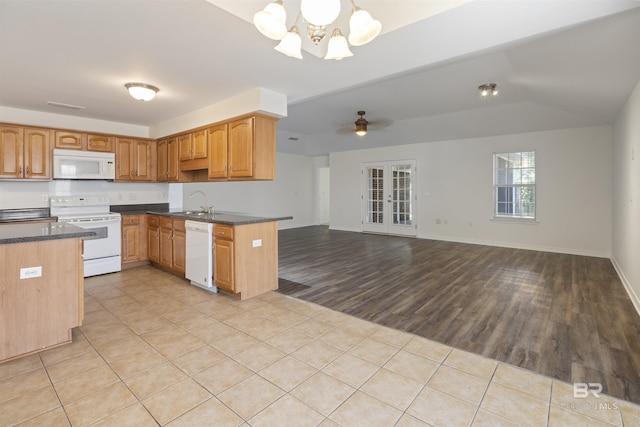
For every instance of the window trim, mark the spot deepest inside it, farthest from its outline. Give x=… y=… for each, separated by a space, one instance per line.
x=507 y=218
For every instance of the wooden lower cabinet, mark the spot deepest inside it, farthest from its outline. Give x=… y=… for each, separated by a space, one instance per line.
x=39 y=312
x=246 y=258
x=153 y=238
x=167 y=243
x=134 y=240
x=223 y=257
x=179 y=247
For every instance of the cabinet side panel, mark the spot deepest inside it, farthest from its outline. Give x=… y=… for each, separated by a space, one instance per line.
x=256 y=258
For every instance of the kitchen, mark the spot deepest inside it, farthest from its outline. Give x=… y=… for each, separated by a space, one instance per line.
x=163 y=315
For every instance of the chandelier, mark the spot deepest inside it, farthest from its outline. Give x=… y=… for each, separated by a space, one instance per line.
x=318 y=15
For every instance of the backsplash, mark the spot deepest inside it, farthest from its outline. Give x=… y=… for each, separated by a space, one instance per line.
x=25 y=194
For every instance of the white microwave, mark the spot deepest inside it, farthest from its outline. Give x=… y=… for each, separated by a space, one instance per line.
x=75 y=164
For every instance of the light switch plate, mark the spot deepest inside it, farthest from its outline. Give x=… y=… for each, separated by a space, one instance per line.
x=257 y=243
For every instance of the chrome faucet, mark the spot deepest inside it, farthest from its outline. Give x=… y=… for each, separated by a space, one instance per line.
x=206 y=207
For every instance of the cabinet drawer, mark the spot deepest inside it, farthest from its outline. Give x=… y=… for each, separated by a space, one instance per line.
x=222 y=231
x=178 y=225
x=130 y=220
x=153 y=221
x=166 y=223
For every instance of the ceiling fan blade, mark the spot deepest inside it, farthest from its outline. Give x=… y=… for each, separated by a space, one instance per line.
x=379 y=124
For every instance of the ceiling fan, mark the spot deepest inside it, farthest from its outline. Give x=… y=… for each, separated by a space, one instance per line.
x=362 y=125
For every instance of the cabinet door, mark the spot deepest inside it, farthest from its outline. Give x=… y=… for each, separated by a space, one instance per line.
x=163 y=161
x=173 y=160
x=154 y=243
x=240 y=155
x=223 y=264
x=130 y=243
x=218 y=152
x=143 y=161
x=37 y=155
x=100 y=143
x=184 y=142
x=179 y=251
x=124 y=159
x=199 y=145
x=166 y=247
x=72 y=140
x=11 y=147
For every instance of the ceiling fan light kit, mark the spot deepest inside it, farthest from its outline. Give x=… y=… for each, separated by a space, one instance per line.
x=488 y=89
x=361 y=124
x=317 y=14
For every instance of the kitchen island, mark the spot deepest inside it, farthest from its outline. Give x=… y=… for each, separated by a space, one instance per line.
x=41 y=286
x=245 y=248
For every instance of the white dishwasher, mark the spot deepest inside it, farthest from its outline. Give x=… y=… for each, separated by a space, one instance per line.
x=199 y=253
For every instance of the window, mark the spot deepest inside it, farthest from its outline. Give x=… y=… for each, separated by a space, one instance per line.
x=514 y=185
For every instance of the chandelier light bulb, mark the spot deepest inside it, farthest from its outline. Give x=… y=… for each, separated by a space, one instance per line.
x=320 y=12
x=338 y=46
x=291 y=44
x=363 y=28
x=271 y=21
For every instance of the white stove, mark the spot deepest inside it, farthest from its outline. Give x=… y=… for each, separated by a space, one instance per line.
x=102 y=254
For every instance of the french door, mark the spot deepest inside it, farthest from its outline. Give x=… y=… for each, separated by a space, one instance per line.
x=389 y=197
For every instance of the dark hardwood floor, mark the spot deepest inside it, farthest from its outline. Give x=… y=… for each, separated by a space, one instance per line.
x=564 y=316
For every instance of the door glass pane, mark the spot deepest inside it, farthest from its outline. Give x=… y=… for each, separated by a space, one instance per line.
x=402 y=194
x=375 y=195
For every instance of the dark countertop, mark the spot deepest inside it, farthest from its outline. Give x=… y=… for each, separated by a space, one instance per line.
x=21 y=233
x=228 y=218
x=140 y=209
x=21 y=215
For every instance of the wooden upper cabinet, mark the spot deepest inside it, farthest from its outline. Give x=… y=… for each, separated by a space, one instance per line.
x=199 y=144
x=142 y=160
x=252 y=148
x=193 y=152
x=163 y=157
x=135 y=159
x=25 y=153
x=37 y=154
x=100 y=143
x=218 y=152
x=241 y=148
x=184 y=144
x=173 y=163
x=11 y=148
x=83 y=141
x=70 y=140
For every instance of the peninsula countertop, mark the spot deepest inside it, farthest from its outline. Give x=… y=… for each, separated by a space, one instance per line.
x=21 y=233
x=228 y=218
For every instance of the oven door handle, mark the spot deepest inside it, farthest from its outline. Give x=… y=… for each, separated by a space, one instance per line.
x=95 y=221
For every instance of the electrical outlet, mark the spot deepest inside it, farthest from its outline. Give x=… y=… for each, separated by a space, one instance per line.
x=45 y=198
x=30 y=272
x=438 y=221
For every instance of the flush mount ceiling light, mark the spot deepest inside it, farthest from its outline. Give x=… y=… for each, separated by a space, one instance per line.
x=318 y=15
x=142 y=91
x=488 y=89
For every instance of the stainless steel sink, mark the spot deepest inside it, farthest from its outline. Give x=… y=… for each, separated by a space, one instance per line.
x=194 y=213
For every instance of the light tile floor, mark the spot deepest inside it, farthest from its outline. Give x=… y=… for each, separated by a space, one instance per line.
x=156 y=351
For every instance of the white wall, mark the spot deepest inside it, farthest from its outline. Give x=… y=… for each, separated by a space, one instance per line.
x=626 y=196
x=291 y=194
x=455 y=185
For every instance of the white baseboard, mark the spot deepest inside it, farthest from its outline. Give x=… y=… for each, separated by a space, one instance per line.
x=627 y=286
x=552 y=249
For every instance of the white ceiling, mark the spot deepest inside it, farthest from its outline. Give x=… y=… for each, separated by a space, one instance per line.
x=558 y=64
